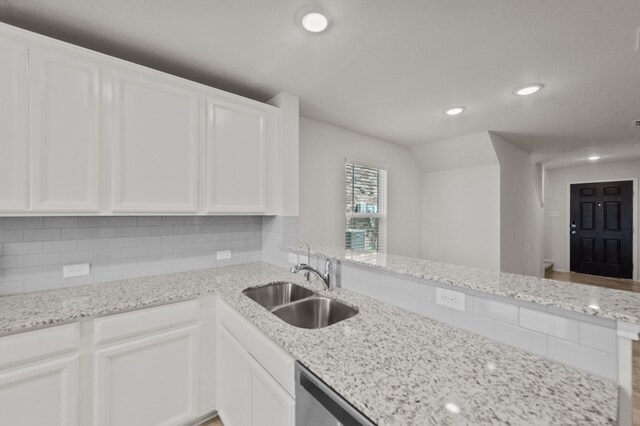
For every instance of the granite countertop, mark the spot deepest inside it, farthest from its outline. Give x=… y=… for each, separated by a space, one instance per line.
x=397 y=367
x=591 y=300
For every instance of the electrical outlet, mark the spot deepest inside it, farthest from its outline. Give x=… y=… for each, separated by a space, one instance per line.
x=78 y=270
x=223 y=254
x=450 y=299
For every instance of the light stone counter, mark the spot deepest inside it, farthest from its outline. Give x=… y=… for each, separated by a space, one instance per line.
x=398 y=368
x=590 y=300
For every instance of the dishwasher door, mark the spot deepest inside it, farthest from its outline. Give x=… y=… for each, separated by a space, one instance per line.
x=319 y=405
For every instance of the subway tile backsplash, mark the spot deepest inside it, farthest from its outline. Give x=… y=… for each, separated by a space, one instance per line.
x=34 y=249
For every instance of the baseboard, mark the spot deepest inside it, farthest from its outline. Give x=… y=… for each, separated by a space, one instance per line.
x=201 y=419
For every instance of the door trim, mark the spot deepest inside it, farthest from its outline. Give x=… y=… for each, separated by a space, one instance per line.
x=634 y=254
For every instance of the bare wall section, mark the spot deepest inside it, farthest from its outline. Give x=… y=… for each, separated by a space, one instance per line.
x=521 y=215
x=323 y=150
x=461 y=201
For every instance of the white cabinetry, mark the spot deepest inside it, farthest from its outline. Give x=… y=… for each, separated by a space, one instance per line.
x=155 y=145
x=270 y=404
x=39 y=377
x=235 y=376
x=237 y=143
x=154 y=366
x=64 y=106
x=147 y=373
x=13 y=126
x=256 y=376
x=84 y=133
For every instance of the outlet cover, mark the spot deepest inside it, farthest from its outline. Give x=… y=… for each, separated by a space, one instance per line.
x=78 y=270
x=223 y=254
x=450 y=299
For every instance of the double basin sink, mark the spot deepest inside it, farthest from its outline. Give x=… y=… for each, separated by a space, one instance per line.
x=300 y=306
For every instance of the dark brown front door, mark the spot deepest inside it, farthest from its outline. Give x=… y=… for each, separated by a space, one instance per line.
x=601 y=228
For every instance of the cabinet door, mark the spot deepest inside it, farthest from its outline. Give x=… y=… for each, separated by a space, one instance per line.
x=148 y=381
x=44 y=393
x=234 y=388
x=155 y=138
x=13 y=126
x=236 y=159
x=271 y=405
x=64 y=131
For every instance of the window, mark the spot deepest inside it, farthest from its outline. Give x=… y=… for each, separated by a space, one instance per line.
x=365 y=208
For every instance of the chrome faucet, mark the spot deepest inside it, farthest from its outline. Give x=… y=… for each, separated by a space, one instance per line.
x=326 y=277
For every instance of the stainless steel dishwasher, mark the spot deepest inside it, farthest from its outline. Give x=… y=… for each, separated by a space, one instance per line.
x=319 y=405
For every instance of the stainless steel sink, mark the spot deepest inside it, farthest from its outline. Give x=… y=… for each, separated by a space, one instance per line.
x=316 y=312
x=300 y=306
x=277 y=294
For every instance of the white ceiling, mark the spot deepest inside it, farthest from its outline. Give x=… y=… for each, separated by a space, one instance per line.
x=389 y=68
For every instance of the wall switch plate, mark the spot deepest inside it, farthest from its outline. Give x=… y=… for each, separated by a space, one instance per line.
x=78 y=270
x=223 y=254
x=293 y=258
x=554 y=214
x=450 y=299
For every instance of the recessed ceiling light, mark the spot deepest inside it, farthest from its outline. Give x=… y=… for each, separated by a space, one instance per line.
x=315 y=22
x=593 y=157
x=527 y=90
x=455 y=111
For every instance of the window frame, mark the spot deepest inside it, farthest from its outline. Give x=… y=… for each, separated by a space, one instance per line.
x=381 y=215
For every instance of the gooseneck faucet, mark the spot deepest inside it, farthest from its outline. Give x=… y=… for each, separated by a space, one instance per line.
x=326 y=277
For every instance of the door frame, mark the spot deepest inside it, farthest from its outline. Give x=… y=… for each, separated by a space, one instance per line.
x=634 y=254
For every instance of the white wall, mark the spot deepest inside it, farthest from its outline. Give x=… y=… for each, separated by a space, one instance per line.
x=323 y=150
x=460 y=201
x=521 y=216
x=557 y=200
x=461 y=216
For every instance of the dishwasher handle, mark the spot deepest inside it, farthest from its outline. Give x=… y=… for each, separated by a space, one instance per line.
x=344 y=412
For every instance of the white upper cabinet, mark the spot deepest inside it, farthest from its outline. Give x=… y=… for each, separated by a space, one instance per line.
x=13 y=126
x=64 y=106
x=154 y=139
x=84 y=133
x=237 y=143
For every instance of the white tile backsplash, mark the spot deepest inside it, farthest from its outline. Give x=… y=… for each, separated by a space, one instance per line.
x=592 y=360
x=33 y=250
x=473 y=323
x=553 y=325
x=597 y=337
x=436 y=312
x=493 y=309
x=520 y=338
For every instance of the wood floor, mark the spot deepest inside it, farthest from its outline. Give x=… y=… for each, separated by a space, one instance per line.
x=213 y=422
x=618 y=284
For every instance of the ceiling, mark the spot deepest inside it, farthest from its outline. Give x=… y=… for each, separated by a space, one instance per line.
x=389 y=69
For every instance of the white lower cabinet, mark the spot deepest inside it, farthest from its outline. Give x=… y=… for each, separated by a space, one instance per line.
x=39 y=377
x=235 y=386
x=270 y=404
x=247 y=362
x=148 y=381
x=166 y=365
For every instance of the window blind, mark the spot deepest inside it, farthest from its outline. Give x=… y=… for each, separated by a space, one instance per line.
x=365 y=208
